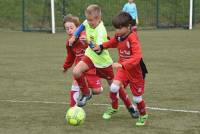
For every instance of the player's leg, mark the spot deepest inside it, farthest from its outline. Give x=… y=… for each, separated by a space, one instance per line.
x=74 y=94
x=142 y=110
x=94 y=82
x=127 y=102
x=108 y=74
x=79 y=74
x=124 y=96
x=120 y=82
x=137 y=91
x=114 y=89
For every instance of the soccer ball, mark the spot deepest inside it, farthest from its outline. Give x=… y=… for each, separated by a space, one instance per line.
x=75 y=116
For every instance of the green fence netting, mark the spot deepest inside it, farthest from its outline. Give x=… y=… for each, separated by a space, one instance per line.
x=35 y=15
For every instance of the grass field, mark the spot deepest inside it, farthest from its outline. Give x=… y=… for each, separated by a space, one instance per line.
x=33 y=90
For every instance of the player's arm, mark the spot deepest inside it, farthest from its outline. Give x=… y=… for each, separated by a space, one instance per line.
x=83 y=39
x=76 y=34
x=69 y=60
x=136 y=52
x=112 y=43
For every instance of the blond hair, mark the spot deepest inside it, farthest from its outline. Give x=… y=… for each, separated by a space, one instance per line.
x=71 y=18
x=93 y=10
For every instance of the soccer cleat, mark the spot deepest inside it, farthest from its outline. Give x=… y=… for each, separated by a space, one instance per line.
x=107 y=115
x=142 y=120
x=133 y=112
x=83 y=99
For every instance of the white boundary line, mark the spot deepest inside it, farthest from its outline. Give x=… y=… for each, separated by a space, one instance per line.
x=95 y=104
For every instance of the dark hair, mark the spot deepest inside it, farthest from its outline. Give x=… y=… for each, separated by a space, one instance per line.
x=71 y=18
x=123 y=19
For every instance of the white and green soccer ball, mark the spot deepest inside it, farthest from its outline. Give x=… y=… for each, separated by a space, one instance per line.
x=75 y=116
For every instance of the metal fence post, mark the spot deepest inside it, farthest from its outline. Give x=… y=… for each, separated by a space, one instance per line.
x=194 y=12
x=157 y=13
x=63 y=8
x=23 y=16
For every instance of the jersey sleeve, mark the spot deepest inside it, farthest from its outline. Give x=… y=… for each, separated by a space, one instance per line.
x=69 y=60
x=78 y=31
x=112 y=43
x=135 y=50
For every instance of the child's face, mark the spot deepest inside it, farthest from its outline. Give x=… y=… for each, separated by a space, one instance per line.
x=93 y=21
x=122 y=31
x=70 y=28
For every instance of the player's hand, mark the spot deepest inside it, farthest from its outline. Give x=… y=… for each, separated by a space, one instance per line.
x=72 y=40
x=96 y=48
x=117 y=65
x=83 y=39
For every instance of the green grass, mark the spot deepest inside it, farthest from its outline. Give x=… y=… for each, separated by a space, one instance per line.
x=30 y=71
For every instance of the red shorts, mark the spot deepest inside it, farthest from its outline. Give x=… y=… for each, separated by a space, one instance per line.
x=137 y=88
x=92 y=80
x=106 y=73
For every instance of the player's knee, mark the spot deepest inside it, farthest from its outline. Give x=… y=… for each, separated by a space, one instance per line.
x=137 y=99
x=76 y=73
x=97 y=91
x=75 y=88
x=114 y=88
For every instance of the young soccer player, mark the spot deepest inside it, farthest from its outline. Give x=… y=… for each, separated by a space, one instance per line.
x=96 y=34
x=74 y=55
x=130 y=7
x=130 y=66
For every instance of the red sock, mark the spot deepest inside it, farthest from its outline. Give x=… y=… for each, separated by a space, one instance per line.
x=82 y=84
x=114 y=100
x=141 y=107
x=124 y=96
x=72 y=99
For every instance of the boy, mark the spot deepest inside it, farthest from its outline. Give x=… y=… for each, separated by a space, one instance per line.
x=130 y=8
x=130 y=67
x=74 y=54
x=96 y=34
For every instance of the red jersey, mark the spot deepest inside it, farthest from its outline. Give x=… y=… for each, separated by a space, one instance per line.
x=130 y=55
x=74 y=53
